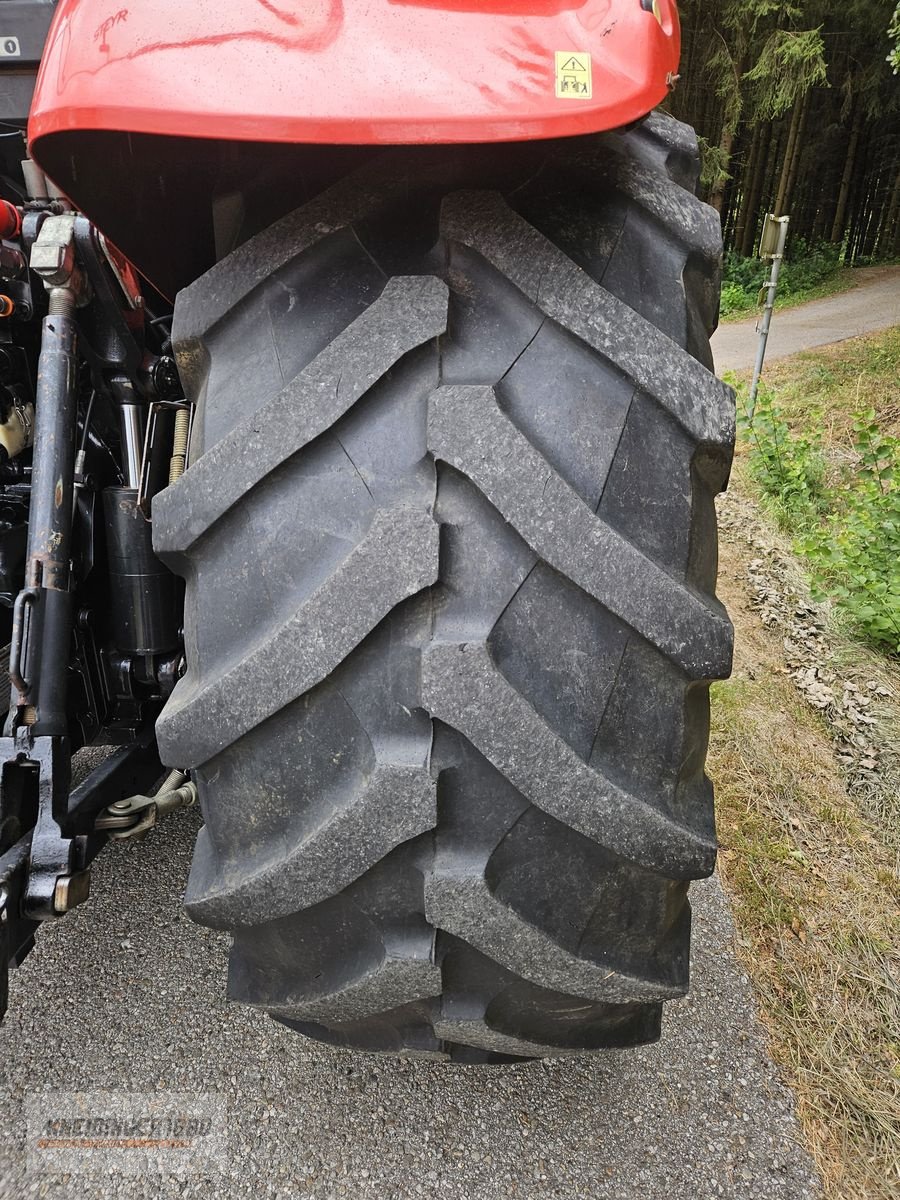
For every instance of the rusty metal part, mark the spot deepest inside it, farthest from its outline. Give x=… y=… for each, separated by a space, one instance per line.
x=39 y=648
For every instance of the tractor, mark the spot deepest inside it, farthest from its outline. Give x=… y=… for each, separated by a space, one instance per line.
x=359 y=446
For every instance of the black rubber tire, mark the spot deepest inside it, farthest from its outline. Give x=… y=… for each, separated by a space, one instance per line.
x=449 y=539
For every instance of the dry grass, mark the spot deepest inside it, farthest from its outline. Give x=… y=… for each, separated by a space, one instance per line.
x=822 y=388
x=817 y=905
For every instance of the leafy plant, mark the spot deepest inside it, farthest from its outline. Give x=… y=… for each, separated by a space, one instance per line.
x=850 y=532
x=791 y=62
x=807 y=268
x=788 y=467
x=734 y=299
x=856 y=557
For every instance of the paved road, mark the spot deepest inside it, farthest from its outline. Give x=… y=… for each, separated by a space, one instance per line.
x=872 y=305
x=126 y=993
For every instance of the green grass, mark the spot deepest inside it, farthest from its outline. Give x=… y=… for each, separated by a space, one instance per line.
x=823 y=451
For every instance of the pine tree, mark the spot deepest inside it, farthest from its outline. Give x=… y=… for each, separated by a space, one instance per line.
x=796 y=107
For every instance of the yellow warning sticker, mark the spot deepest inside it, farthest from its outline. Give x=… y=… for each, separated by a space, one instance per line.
x=573 y=75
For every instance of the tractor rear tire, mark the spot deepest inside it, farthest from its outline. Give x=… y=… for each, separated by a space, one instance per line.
x=449 y=542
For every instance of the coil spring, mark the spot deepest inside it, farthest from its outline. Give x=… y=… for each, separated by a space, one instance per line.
x=179 y=444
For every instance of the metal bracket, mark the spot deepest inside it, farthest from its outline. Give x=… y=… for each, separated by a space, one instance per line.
x=132 y=817
x=159 y=445
x=124 y=273
x=53 y=257
x=44 y=873
x=57 y=879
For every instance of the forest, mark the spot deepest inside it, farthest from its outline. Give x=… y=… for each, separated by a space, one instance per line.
x=797 y=106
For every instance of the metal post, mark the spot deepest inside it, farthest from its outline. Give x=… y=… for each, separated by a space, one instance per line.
x=776 y=254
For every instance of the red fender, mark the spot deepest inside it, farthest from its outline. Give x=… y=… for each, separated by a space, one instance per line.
x=351 y=72
x=355 y=71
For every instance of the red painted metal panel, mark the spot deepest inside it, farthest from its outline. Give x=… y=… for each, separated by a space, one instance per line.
x=353 y=71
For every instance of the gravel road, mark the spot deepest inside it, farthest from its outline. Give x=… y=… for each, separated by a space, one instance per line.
x=127 y=994
x=872 y=305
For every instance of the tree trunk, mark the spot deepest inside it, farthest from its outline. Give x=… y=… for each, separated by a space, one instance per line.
x=726 y=143
x=840 y=216
x=684 y=106
x=731 y=120
x=892 y=215
x=891 y=231
x=754 y=197
x=801 y=210
x=796 y=156
x=750 y=170
x=735 y=185
x=790 y=152
x=824 y=217
x=860 y=189
x=876 y=203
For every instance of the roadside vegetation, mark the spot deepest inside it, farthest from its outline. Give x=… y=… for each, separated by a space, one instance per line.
x=823 y=449
x=805 y=748
x=808 y=273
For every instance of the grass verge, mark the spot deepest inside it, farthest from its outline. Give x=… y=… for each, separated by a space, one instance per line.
x=816 y=899
x=738 y=303
x=822 y=449
x=809 y=797
x=820 y=389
